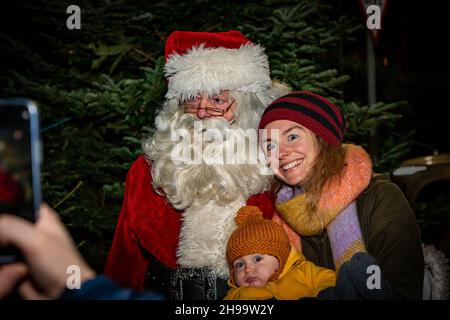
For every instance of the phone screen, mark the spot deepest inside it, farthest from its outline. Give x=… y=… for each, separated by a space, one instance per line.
x=16 y=183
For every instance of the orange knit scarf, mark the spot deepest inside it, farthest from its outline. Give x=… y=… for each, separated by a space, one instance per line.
x=336 y=195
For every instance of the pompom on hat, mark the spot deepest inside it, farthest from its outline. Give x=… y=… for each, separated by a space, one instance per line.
x=255 y=234
x=311 y=111
x=208 y=62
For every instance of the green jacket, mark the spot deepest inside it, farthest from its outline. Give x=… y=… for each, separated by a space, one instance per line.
x=391 y=235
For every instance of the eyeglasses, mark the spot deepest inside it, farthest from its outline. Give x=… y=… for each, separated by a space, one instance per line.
x=221 y=106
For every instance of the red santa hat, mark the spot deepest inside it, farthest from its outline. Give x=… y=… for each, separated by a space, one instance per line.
x=209 y=62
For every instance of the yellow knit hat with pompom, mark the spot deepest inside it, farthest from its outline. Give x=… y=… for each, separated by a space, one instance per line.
x=254 y=234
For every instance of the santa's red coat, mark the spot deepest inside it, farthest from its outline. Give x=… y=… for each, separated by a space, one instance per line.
x=148 y=222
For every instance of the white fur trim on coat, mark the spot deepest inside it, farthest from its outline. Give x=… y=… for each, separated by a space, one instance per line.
x=204 y=236
x=436 y=276
x=211 y=70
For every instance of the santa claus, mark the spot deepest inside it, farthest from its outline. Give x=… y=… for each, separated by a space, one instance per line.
x=177 y=215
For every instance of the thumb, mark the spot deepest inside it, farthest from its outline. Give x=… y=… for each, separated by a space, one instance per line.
x=10 y=275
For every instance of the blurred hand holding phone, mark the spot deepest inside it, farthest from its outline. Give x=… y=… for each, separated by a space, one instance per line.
x=20 y=161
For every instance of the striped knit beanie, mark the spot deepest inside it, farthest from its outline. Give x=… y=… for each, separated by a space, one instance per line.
x=255 y=234
x=310 y=110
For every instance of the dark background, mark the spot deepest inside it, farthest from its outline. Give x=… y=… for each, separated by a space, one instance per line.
x=413 y=64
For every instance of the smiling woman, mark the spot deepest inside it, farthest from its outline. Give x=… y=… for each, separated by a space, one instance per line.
x=297 y=150
x=328 y=195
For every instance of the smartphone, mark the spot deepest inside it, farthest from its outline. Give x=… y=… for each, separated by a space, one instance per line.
x=20 y=162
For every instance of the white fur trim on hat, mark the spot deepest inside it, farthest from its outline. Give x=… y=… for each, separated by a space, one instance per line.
x=211 y=70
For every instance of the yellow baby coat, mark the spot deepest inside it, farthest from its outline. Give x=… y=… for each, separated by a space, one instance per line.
x=299 y=279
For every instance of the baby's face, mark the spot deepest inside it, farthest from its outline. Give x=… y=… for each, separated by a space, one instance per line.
x=254 y=270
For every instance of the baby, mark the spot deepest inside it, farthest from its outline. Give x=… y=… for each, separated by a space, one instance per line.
x=263 y=264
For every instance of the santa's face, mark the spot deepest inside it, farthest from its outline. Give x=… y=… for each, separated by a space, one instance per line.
x=190 y=155
x=205 y=106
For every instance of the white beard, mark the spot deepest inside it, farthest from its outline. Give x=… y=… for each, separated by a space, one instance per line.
x=210 y=195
